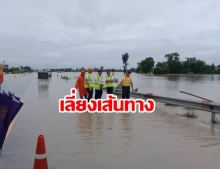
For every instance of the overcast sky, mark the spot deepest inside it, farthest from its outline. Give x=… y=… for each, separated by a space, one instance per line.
x=76 y=33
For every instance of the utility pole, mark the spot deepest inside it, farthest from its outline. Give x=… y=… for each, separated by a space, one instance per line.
x=4 y=62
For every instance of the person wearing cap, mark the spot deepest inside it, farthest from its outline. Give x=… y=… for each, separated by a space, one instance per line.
x=80 y=85
x=88 y=83
x=109 y=84
x=98 y=85
x=125 y=85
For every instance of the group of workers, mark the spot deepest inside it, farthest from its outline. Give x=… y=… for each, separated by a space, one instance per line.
x=86 y=83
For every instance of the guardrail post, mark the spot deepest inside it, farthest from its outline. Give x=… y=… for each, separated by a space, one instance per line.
x=213 y=118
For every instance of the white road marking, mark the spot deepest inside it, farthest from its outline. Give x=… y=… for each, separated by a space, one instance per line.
x=12 y=123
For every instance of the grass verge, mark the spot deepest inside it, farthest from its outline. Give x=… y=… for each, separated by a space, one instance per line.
x=191 y=114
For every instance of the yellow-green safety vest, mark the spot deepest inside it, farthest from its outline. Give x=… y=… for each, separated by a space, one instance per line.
x=100 y=79
x=127 y=82
x=109 y=84
x=90 y=80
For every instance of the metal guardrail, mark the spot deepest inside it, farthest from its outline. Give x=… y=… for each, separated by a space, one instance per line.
x=203 y=105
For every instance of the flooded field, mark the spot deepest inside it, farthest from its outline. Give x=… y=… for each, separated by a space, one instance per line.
x=105 y=141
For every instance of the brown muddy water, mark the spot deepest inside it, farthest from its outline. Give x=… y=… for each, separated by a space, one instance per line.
x=161 y=140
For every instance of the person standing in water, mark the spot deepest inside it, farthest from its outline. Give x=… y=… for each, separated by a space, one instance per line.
x=125 y=85
x=88 y=84
x=98 y=85
x=80 y=85
x=109 y=84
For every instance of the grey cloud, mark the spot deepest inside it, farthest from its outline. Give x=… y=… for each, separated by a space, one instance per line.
x=96 y=33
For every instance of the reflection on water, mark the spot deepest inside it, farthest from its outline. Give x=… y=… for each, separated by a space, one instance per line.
x=192 y=78
x=43 y=89
x=90 y=127
x=126 y=128
x=173 y=78
x=109 y=122
x=84 y=121
x=85 y=129
x=126 y=122
x=43 y=94
x=50 y=79
x=99 y=128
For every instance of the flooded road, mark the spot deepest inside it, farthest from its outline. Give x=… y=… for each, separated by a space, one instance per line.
x=105 y=141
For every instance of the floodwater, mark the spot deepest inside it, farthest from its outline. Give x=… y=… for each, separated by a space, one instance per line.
x=160 y=140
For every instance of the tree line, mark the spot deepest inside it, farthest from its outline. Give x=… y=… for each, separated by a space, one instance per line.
x=82 y=68
x=173 y=65
x=21 y=69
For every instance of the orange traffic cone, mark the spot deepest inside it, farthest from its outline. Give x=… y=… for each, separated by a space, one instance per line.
x=40 y=157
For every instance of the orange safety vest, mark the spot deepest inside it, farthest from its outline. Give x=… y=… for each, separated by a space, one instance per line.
x=1 y=77
x=127 y=81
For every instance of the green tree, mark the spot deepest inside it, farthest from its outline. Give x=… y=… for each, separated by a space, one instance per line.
x=218 y=69
x=210 y=69
x=188 y=65
x=146 y=65
x=161 y=68
x=193 y=65
x=132 y=70
x=125 y=57
x=174 y=63
x=199 y=66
